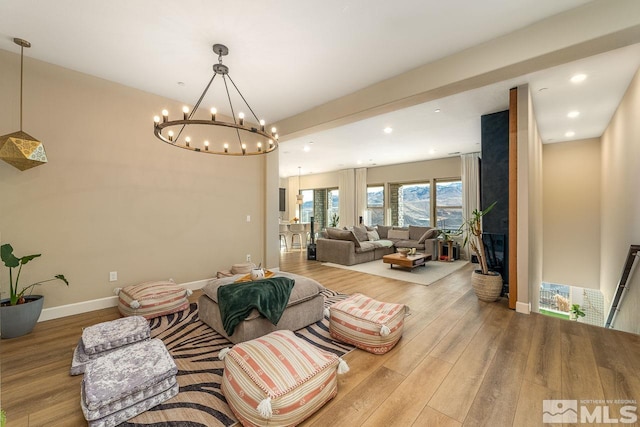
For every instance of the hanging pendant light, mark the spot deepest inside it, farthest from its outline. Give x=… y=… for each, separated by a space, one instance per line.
x=20 y=149
x=299 y=198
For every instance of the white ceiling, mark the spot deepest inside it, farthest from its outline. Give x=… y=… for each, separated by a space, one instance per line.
x=288 y=56
x=420 y=133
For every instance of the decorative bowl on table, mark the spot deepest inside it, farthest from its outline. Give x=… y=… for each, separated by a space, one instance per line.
x=403 y=251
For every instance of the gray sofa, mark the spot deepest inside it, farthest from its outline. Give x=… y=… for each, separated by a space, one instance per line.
x=363 y=244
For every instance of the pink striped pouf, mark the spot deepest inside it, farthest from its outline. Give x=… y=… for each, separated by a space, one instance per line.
x=278 y=379
x=368 y=324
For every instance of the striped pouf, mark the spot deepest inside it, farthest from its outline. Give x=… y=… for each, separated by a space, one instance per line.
x=278 y=379
x=152 y=299
x=368 y=324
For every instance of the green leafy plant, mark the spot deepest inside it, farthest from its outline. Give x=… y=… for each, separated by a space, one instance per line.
x=472 y=228
x=576 y=311
x=11 y=261
x=335 y=219
x=3 y=418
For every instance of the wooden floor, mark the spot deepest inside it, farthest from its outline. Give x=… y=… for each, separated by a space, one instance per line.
x=460 y=361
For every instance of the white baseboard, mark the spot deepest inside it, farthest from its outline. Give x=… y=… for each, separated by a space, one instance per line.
x=98 y=304
x=523 y=307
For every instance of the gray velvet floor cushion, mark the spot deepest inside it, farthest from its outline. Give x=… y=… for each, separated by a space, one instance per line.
x=127 y=382
x=103 y=338
x=306 y=306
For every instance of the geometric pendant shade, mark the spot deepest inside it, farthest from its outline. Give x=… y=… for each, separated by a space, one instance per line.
x=21 y=150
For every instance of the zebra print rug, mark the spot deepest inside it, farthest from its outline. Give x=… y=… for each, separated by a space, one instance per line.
x=194 y=347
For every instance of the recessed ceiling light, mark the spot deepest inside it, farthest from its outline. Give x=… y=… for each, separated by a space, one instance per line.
x=310 y=142
x=180 y=83
x=437 y=110
x=578 y=78
x=307 y=148
x=388 y=130
x=359 y=162
x=573 y=114
x=569 y=134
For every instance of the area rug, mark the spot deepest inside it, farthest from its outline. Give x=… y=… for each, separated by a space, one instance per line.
x=430 y=273
x=194 y=347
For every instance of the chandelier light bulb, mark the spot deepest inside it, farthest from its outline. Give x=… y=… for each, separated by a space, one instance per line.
x=241 y=117
x=259 y=146
x=270 y=143
x=213 y=114
x=187 y=140
x=170 y=135
x=185 y=112
x=226 y=147
x=206 y=146
x=165 y=115
x=262 y=125
x=244 y=148
x=156 y=119
x=273 y=131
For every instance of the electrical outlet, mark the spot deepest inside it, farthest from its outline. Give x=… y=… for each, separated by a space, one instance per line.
x=113 y=276
x=248 y=257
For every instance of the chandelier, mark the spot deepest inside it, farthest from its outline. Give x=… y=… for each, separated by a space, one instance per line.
x=20 y=149
x=241 y=137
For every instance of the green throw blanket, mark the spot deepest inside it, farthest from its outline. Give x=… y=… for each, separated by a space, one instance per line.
x=269 y=296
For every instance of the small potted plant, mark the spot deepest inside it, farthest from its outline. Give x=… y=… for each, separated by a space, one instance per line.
x=335 y=219
x=486 y=284
x=20 y=312
x=576 y=312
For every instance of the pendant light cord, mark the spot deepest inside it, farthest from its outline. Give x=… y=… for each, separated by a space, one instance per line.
x=21 y=67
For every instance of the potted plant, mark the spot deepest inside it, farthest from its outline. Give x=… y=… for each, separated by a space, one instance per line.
x=335 y=219
x=486 y=284
x=575 y=312
x=20 y=312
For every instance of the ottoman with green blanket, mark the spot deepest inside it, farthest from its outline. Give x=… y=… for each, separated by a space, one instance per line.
x=304 y=307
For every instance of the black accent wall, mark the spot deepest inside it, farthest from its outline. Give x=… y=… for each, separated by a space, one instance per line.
x=494 y=186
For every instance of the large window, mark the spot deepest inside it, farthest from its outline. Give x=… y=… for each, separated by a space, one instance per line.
x=411 y=204
x=449 y=204
x=375 y=205
x=333 y=201
x=306 y=208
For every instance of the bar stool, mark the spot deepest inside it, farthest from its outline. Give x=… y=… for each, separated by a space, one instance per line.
x=298 y=230
x=285 y=235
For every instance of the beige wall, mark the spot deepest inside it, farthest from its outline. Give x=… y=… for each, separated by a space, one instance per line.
x=571 y=213
x=621 y=205
x=113 y=197
x=416 y=171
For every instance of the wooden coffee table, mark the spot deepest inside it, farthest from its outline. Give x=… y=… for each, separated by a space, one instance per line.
x=409 y=261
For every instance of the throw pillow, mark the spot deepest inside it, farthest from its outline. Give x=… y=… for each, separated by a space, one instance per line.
x=337 y=234
x=332 y=232
x=373 y=235
x=429 y=234
x=360 y=233
x=398 y=234
x=415 y=231
x=383 y=231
